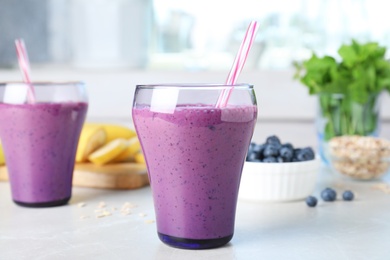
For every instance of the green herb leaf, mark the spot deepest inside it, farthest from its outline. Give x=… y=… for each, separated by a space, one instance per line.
x=359 y=77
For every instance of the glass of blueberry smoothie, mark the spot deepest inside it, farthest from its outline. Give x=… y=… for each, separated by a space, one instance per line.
x=195 y=151
x=40 y=139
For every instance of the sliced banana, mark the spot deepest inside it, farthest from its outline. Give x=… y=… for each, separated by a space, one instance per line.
x=91 y=138
x=140 y=158
x=133 y=148
x=115 y=131
x=108 y=152
x=2 y=158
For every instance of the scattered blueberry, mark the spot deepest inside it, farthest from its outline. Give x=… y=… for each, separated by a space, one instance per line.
x=348 y=195
x=270 y=159
x=311 y=201
x=329 y=194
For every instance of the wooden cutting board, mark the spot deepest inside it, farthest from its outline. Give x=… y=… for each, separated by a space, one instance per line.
x=111 y=176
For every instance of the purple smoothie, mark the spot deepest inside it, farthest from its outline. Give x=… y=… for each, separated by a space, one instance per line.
x=195 y=158
x=40 y=142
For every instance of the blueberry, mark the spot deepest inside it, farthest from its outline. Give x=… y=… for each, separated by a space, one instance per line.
x=273 y=139
x=305 y=154
x=269 y=159
x=251 y=157
x=295 y=155
x=288 y=145
x=286 y=153
x=348 y=195
x=259 y=150
x=311 y=201
x=279 y=159
x=271 y=150
x=252 y=145
x=328 y=194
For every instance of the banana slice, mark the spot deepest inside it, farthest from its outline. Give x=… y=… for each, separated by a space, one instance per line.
x=139 y=157
x=91 y=138
x=128 y=155
x=2 y=158
x=108 y=152
x=115 y=131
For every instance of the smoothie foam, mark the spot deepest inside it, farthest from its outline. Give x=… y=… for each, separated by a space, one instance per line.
x=195 y=158
x=40 y=142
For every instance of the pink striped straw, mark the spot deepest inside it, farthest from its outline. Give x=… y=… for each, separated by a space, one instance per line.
x=238 y=63
x=24 y=65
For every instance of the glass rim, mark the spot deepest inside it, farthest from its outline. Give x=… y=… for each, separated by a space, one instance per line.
x=42 y=83
x=203 y=86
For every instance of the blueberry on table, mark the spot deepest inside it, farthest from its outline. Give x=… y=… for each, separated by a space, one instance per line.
x=329 y=194
x=270 y=159
x=305 y=154
x=348 y=195
x=273 y=139
x=271 y=150
x=311 y=201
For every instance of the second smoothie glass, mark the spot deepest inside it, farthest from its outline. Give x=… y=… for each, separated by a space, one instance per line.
x=40 y=139
x=195 y=153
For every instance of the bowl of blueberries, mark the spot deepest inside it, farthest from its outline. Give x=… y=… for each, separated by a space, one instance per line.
x=276 y=171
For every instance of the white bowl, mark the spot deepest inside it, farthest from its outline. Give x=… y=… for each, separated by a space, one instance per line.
x=275 y=182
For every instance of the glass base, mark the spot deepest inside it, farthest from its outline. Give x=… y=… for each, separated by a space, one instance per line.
x=186 y=243
x=43 y=204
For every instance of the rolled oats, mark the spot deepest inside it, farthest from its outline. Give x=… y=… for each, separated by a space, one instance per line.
x=360 y=157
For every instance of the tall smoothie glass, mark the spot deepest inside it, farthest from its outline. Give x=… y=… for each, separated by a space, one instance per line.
x=40 y=139
x=195 y=154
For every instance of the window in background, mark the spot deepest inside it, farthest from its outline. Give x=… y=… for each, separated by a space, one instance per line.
x=79 y=33
x=184 y=35
x=196 y=36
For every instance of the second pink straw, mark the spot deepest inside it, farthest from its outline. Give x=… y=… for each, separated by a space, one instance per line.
x=24 y=65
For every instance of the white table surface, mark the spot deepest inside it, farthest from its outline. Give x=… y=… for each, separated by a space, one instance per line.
x=335 y=230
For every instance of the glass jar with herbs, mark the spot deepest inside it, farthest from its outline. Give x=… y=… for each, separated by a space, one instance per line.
x=348 y=90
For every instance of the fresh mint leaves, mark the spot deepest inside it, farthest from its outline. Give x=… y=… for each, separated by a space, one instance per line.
x=362 y=71
x=348 y=88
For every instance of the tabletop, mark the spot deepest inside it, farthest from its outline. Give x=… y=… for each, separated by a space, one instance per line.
x=112 y=224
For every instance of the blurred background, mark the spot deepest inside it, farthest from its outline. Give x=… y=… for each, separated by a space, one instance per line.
x=183 y=35
x=113 y=45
